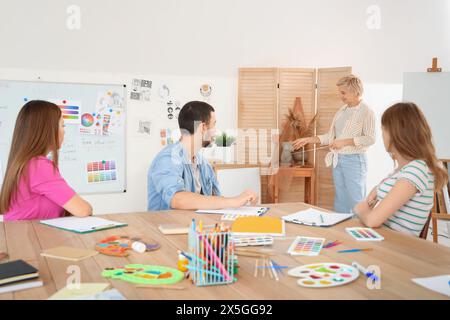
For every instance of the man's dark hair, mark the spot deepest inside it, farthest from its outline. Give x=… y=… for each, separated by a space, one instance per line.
x=192 y=114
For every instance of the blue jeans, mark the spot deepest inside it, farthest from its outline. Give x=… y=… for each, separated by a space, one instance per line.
x=349 y=181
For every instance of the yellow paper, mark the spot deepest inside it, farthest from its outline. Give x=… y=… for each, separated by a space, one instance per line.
x=258 y=225
x=84 y=289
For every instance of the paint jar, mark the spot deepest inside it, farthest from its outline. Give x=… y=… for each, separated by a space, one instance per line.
x=182 y=263
x=139 y=247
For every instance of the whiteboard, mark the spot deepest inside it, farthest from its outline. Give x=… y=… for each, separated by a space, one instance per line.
x=431 y=92
x=92 y=158
x=233 y=182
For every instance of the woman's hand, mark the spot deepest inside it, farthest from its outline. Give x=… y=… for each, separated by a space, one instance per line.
x=340 y=143
x=372 y=198
x=297 y=144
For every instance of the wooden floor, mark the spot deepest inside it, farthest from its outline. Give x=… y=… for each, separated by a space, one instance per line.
x=399 y=257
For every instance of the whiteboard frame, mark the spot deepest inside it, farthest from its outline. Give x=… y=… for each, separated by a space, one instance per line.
x=39 y=80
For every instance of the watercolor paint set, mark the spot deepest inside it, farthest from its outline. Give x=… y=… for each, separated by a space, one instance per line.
x=324 y=275
x=364 y=234
x=305 y=246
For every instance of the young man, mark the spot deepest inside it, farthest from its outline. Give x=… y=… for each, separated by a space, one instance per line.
x=179 y=177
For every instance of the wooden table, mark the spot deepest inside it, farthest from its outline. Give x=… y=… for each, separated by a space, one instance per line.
x=400 y=258
x=306 y=172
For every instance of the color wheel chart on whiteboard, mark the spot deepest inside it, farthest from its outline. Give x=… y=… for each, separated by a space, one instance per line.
x=92 y=158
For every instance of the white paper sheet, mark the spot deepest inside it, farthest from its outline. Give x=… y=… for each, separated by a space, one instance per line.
x=312 y=217
x=440 y=284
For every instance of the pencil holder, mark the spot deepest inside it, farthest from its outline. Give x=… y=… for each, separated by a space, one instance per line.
x=212 y=257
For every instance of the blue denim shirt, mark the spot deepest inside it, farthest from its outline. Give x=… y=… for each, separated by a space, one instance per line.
x=171 y=172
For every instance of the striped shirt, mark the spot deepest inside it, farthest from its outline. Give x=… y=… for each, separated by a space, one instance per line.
x=412 y=216
x=360 y=126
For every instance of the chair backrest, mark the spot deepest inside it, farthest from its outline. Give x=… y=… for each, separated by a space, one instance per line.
x=234 y=181
x=424 y=232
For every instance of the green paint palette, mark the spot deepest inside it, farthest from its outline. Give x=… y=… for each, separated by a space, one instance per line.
x=144 y=274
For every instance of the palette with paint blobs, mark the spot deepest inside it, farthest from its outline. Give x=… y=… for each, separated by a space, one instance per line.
x=118 y=246
x=324 y=275
x=144 y=274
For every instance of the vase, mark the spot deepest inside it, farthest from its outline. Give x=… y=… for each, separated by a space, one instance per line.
x=286 y=155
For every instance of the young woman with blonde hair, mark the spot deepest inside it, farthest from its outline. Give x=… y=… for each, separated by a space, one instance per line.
x=404 y=199
x=33 y=187
x=351 y=133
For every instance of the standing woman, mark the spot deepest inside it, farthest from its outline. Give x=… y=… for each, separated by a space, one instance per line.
x=351 y=133
x=33 y=187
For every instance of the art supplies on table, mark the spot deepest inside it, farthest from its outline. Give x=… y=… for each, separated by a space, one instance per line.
x=317 y=218
x=79 y=290
x=269 y=226
x=355 y=250
x=15 y=271
x=274 y=270
x=82 y=225
x=365 y=272
x=118 y=246
x=440 y=284
x=173 y=229
x=68 y=253
x=144 y=274
x=306 y=246
x=241 y=211
x=244 y=241
x=324 y=275
x=364 y=234
x=211 y=255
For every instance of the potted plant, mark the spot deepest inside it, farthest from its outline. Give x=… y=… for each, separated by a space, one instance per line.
x=224 y=147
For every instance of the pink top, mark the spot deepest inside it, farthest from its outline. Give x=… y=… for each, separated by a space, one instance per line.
x=44 y=195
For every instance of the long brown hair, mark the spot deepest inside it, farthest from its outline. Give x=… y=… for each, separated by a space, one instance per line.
x=35 y=134
x=411 y=136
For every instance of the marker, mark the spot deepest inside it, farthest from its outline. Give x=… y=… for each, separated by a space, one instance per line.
x=368 y=274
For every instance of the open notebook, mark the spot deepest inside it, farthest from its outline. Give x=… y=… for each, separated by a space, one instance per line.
x=82 y=225
x=314 y=217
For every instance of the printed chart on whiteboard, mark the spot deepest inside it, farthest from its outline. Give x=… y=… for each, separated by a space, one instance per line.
x=92 y=157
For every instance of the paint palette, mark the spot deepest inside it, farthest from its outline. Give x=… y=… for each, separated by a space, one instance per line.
x=364 y=234
x=144 y=274
x=118 y=246
x=324 y=275
x=305 y=246
x=243 y=241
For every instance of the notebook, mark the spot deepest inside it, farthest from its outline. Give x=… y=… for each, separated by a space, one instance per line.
x=82 y=225
x=314 y=217
x=21 y=285
x=241 y=211
x=173 y=229
x=269 y=226
x=68 y=253
x=17 y=270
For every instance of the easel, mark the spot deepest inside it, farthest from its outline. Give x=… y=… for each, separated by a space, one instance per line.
x=434 y=66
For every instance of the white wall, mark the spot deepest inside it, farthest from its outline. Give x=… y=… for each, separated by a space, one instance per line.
x=188 y=43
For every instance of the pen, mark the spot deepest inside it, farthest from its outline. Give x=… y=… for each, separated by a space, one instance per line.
x=355 y=250
x=321 y=218
x=368 y=274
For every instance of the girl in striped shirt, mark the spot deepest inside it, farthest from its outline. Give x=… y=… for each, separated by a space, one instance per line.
x=404 y=199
